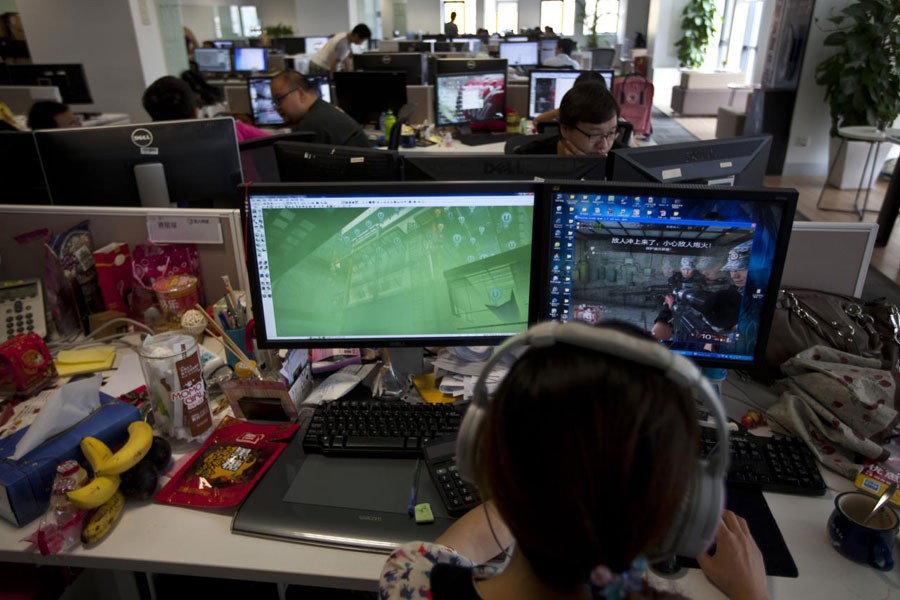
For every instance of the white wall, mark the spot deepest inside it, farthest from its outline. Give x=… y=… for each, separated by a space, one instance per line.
x=200 y=20
x=273 y=12
x=636 y=13
x=322 y=17
x=8 y=6
x=529 y=14
x=424 y=16
x=664 y=29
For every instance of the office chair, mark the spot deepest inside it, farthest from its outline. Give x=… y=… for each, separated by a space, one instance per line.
x=624 y=130
x=602 y=58
x=512 y=144
x=403 y=116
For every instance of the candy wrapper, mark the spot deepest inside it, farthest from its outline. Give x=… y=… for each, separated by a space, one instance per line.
x=75 y=248
x=228 y=465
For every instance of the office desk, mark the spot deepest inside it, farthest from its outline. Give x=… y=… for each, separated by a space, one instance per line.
x=458 y=147
x=107 y=119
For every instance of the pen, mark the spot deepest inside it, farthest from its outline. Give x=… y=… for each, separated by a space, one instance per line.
x=414 y=490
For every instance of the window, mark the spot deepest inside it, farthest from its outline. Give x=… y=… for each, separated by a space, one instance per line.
x=560 y=15
x=607 y=15
x=250 y=25
x=733 y=47
x=507 y=16
x=465 y=19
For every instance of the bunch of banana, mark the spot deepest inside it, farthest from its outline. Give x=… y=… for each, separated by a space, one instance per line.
x=103 y=519
x=106 y=462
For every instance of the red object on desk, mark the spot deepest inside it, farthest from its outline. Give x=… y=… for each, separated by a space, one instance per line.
x=26 y=366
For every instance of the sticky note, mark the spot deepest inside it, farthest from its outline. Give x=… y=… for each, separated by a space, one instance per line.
x=423 y=513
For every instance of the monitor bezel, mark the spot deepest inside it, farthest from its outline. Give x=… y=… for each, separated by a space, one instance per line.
x=784 y=197
x=508 y=44
x=439 y=76
x=412 y=188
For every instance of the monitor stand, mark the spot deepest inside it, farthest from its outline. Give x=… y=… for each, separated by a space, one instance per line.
x=151 y=185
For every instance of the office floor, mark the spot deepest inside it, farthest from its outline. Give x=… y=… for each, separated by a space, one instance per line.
x=886 y=260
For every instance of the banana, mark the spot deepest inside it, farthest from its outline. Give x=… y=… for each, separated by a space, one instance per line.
x=95 y=492
x=140 y=438
x=95 y=451
x=103 y=520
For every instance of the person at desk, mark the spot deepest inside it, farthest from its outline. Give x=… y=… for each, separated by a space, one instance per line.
x=584 y=506
x=172 y=99
x=451 y=29
x=298 y=102
x=563 y=58
x=337 y=50
x=48 y=114
x=588 y=117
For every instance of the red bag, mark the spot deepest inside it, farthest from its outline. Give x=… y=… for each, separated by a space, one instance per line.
x=152 y=261
x=113 y=264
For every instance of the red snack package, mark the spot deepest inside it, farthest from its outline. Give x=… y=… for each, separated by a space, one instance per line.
x=152 y=261
x=26 y=366
x=113 y=264
x=227 y=466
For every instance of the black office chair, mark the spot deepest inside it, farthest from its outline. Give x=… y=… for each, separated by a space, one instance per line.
x=602 y=58
x=624 y=130
x=403 y=116
x=513 y=145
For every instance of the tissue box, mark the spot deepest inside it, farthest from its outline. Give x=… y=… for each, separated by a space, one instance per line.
x=25 y=484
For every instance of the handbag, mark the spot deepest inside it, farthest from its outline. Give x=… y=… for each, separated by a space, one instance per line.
x=804 y=318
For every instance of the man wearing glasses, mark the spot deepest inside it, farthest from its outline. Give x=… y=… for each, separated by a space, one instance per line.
x=298 y=103
x=588 y=116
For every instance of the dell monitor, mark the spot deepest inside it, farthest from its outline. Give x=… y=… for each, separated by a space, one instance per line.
x=414 y=64
x=520 y=54
x=415 y=46
x=250 y=60
x=699 y=267
x=732 y=161
x=69 y=78
x=467 y=98
x=315 y=43
x=191 y=163
x=326 y=162
x=391 y=264
x=20 y=169
x=435 y=166
x=365 y=95
x=546 y=87
x=258 y=161
x=213 y=60
x=290 y=45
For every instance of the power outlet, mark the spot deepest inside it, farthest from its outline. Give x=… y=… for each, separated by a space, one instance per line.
x=803 y=142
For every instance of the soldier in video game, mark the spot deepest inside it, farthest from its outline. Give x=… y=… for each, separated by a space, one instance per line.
x=738 y=264
x=687 y=274
x=713 y=277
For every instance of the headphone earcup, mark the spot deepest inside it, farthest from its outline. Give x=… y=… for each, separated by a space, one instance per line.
x=694 y=528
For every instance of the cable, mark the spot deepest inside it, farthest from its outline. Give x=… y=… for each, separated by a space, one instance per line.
x=487 y=516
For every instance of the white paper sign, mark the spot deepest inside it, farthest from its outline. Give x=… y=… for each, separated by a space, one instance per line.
x=162 y=229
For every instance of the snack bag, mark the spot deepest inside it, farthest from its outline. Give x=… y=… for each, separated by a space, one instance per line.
x=113 y=264
x=153 y=261
x=75 y=248
x=58 y=293
x=228 y=465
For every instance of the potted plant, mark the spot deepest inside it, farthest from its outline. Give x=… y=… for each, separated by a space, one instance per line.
x=276 y=31
x=698 y=26
x=861 y=79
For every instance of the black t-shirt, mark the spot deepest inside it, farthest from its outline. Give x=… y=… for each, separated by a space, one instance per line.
x=332 y=126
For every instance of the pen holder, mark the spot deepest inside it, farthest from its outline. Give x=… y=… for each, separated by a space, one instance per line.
x=239 y=337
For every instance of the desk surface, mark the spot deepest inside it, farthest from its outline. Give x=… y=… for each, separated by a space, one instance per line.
x=167 y=539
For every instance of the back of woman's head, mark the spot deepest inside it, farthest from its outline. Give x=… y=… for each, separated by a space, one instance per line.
x=588 y=457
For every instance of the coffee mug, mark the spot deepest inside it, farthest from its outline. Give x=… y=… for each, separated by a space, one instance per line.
x=872 y=543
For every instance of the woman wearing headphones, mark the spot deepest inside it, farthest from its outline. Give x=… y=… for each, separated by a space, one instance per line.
x=589 y=464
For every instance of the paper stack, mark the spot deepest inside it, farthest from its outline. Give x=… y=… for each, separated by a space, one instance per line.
x=458 y=368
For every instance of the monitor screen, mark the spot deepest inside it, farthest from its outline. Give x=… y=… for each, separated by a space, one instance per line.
x=290 y=45
x=365 y=95
x=261 y=105
x=608 y=75
x=469 y=98
x=832 y=257
x=250 y=60
x=20 y=169
x=547 y=88
x=525 y=54
x=69 y=78
x=391 y=264
x=326 y=162
x=191 y=163
x=435 y=166
x=223 y=44
x=321 y=83
x=414 y=64
x=548 y=49
x=732 y=161
x=472 y=44
x=516 y=38
x=700 y=267
x=213 y=60
x=315 y=43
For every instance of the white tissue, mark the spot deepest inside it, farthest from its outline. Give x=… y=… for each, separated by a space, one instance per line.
x=67 y=406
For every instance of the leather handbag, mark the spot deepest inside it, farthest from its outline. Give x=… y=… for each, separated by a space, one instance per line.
x=804 y=318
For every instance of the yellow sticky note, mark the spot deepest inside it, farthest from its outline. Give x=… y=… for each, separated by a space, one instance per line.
x=88 y=360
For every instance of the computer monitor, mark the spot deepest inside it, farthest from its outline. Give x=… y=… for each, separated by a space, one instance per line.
x=546 y=87
x=290 y=45
x=473 y=44
x=250 y=60
x=392 y=264
x=731 y=161
x=415 y=46
x=326 y=162
x=258 y=161
x=832 y=257
x=314 y=43
x=516 y=38
x=20 y=169
x=548 y=49
x=321 y=83
x=465 y=98
x=261 y=105
x=69 y=78
x=700 y=267
x=451 y=47
x=213 y=60
x=414 y=64
x=192 y=163
x=435 y=166
x=470 y=65
x=365 y=95
x=521 y=54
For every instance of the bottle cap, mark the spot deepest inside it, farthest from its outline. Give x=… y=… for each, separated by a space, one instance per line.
x=244 y=369
x=69 y=467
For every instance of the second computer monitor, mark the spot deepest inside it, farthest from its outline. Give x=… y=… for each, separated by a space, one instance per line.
x=261 y=104
x=414 y=64
x=436 y=166
x=328 y=163
x=365 y=95
x=250 y=60
x=462 y=99
x=213 y=60
x=546 y=87
x=521 y=54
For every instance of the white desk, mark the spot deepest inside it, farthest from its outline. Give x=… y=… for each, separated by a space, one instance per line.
x=167 y=539
x=107 y=119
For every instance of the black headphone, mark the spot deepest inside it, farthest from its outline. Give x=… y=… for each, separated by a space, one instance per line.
x=695 y=523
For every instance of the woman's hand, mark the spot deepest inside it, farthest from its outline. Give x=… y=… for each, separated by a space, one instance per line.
x=737 y=567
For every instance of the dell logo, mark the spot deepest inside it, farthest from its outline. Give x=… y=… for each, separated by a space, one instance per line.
x=141 y=138
x=470 y=64
x=386 y=59
x=373 y=518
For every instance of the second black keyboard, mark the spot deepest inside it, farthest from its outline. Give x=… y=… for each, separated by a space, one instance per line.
x=378 y=427
x=777 y=464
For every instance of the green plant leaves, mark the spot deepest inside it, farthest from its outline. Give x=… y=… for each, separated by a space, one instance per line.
x=697 y=25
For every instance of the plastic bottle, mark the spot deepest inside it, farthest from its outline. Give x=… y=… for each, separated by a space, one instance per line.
x=381 y=119
x=716 y=377
x=389 y=120
x=61 y=526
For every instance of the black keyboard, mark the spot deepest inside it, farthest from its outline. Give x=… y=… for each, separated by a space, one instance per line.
x=480 y=139
x=777 y=464
x=378 y=428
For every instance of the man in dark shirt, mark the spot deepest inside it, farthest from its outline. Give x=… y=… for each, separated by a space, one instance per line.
x=451 y=30
x=298 y=102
